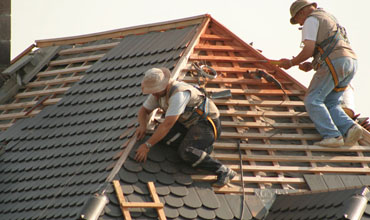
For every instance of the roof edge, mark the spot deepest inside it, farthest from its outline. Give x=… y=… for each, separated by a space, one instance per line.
x=118 y=33
x=190 y=48
x=258 y=54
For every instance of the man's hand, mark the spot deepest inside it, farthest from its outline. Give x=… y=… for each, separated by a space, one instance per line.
x=140 y=132
x=285 y=63
x=141 y=153
x=306 y=66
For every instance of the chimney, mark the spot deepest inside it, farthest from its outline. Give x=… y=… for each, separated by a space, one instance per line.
x=4 y=34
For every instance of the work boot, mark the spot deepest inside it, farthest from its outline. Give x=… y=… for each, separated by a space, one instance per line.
x=224 y=176
x=353 y=135
x=331 y=142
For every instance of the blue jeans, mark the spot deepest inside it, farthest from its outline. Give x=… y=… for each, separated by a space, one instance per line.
x=323 y=103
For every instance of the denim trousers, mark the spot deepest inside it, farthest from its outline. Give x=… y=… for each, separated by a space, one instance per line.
x=323 y=103
x=194 y=144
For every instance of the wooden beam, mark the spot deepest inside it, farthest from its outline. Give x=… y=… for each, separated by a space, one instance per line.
x=260 y=92
x=121 y=199
x=18 y=115
x=63 y=71
x=274 y=136
x=238 y=189
x=54 y=81
x=220 y=48
x=215 y=37
x=76 y=60
x=226 y=59
x=153 y=193
x=266 y=125
x=22 y=105
x=279 y=147
x=85 y=49
x=41 y=92
x=286 y=158
x=298 y=169
x=261 y=113
x=221 y=79
x=249 y=179
x=141 y=205
x=266 y=103
x=5 y=126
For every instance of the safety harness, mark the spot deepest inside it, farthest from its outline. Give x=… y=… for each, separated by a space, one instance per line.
x=201 y=110
x=330 y=42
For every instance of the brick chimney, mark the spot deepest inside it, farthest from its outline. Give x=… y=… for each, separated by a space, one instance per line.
x=5 y=14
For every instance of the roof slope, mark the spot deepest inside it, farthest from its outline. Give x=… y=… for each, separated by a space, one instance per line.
x=335 y=204
x=335 y=182
x=67 y=134
x=56 y=160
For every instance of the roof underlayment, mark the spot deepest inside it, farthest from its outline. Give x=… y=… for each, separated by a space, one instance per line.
x=68 y=131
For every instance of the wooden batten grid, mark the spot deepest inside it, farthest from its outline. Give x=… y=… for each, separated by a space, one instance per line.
x=275 y=133
x=125 y=206
x=51 y=83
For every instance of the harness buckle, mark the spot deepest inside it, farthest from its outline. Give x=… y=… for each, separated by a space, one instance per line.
x=320 y=61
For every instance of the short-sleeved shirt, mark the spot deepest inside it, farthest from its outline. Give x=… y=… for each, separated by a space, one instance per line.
x=310 y=29
x=176 y=104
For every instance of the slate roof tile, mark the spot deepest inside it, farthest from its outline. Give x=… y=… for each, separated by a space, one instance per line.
x=61 y=156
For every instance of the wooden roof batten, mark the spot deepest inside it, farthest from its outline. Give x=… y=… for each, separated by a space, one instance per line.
x=274 y=159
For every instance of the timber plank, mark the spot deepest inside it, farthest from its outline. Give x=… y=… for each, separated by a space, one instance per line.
x=5 y=126
x=42 y=92
x=18 y=115
x=285 y=158
x=237 y=189
x=54 y=81
x=76 y=60
x=233 y=146
x=215 y=37
x=259 y=91
x=63 y=71
x=298 y=169
x=269 y=103
x=28 y=104
x=227 y=80
x=266 y=125
x=271 y=136
x=76 y=50
x=260 y=113
x=220 y=48
x=225 y=58
x=248 y=179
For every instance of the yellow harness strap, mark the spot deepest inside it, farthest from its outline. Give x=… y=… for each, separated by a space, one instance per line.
x=200 y=112
x=332 y=71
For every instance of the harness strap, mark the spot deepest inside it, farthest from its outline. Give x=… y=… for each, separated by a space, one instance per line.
x=332 y=71
x=200 y=112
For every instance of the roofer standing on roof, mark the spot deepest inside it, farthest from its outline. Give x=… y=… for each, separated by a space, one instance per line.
x=335 y=64
x=191 y=122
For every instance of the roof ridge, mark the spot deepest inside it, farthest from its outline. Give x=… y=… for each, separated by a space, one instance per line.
x=118 y=33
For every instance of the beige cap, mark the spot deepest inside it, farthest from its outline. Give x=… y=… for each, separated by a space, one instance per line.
x=297 y=6
x=155 y=80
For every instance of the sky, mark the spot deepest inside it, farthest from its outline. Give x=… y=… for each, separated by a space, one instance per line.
x=263 y=22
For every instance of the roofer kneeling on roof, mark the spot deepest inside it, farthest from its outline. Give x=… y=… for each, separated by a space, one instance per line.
x=191 y=122
x=335 y=64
